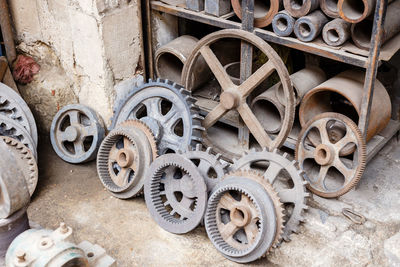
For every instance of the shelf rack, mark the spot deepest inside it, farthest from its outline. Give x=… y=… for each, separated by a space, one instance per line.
x=348 y=53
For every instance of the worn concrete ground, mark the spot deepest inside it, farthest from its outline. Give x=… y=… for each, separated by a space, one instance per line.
x=73 y=194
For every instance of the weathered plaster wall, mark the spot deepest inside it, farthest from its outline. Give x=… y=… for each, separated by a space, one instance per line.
x=85 y=48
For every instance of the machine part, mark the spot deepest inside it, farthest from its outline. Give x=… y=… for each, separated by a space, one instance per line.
x=308 y=28
x=195 y=5
x=268 y=110
x=76 y=133
x=298 y=8
x=123 y=157
x=283 y=23
x=217 y=8
x=329 y=7
x=240 y=219
x=14 y=107
x=11 y=227
x=43 y=247
x=175 y=193
x=13 y=187
x=25 y=160
x=303 y=81
x=279 y=209
x=328 y=174
x=169 y=111
x=171 y=57
x=233 y=71
x=234 y=97
x=286 y=178
x=343 y=94
x=354 y=216
x=361 y=32
x=208 y=164
x=355 y=11
x=264 y=11
x=336 y=32
x=96 y=255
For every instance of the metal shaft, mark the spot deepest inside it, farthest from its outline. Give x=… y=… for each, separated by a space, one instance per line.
x=300 y=8
x=307 y=28
x=336 y=32
x=283 y=24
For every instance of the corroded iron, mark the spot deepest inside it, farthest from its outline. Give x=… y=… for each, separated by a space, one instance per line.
x=336 y=32
x=354 y=11
x=264 y=11
x=300 y=8
x=283 y=24
x=308 y=28
x=329 y=7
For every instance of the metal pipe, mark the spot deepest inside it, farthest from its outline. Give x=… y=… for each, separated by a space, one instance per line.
x=336 y=32
x=343 y=94
x=7 y=32
x=307 y=28
x=300 y=8
x=329 y=7
x=354 y=11
x=361 y=33
x=303 y=81
x=283 y=24
x=264 y=11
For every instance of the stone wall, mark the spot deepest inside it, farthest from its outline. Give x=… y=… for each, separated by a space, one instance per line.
x=85 y=48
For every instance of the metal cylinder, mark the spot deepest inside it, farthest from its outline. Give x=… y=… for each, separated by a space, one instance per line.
x=329 y=7
x=300 y=8
x=308 y=28
x=171 y=57
x=264 y=11
x=11 y=227
x=268 y=110
x=283 y=24
x=336 y=32
x=343 y=94
x=233 y=71
x=303 y=81
x=354 y=11
x=361 y=32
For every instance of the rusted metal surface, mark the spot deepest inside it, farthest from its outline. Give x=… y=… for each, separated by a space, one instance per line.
x=283 y=24
x=195 y=5
x=308 y=28
x=217 y=8
x=362 y=32
x=7 y=32
x=329 y=7
x=300 y=8
x=264 y=11
x=344 y=94
x=336 y=32
x=354 y=11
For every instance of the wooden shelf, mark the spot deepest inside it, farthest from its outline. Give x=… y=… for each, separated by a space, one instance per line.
x=348 y=53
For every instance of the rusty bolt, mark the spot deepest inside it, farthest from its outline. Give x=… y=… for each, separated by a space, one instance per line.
x=63 y=228
x=20 y=255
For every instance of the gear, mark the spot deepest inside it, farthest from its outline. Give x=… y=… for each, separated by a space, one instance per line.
x=286 y=178
x=76 y=133
x=209 y=165
x=27 y=162
x=279 y=209
x=14 y=107
x=175 y=193
x=330 y=174
x=11 y=128
x=240 y=219
x=123 y=157
x=168 y=110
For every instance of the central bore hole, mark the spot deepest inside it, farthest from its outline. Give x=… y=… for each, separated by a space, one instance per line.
x=353 y=9
x=305 y=29
x=44 y=243
x=296 y=4
x=322 y=153
x=333 y=35
x=238 y=214
x=122 y=157
x=282 y=24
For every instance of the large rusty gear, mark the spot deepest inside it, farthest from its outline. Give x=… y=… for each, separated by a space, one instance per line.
x=240 y=219
x=168 y=110
x=123 y=157
x=287 y=179
x=26 y=162
x=279 y=209
x=175 y=193
x=234 y=98
x=209 y=165
x=317 y=161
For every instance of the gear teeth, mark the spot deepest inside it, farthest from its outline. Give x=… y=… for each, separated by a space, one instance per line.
x=209 y=150
x=198 y=127
x=199 y=147
x=264 y=149
x=225 y=165
x=197 y=117
x=218 y=156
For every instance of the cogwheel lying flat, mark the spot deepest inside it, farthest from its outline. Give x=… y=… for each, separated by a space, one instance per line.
x=286 y=178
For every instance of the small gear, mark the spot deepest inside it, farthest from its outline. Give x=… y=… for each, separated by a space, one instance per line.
x=27 y=162
x=175 y=193
x=168 y=110
x=208 y=164
x=329 y=172
x=240 y=219
x=123 y=157
x=286 y=178
x=11 y=128
x=279 y=209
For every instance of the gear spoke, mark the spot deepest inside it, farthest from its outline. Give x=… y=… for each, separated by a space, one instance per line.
x=323 y=171
x=323 y=132
x=345 y=140
x=74 y=117
x=214 y=115
x=113 y=153
x=153 y=107
x=227 y=201
x=79 y=148
x=272 y=172
x=89 y=130
x=121 y=179
x=171 y=115
x=256 y=78
x=251 y=231
x=62 y=136
x=342 y=168
x=228 y=230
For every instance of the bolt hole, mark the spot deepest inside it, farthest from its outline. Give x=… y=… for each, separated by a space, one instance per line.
x=43 y=243
x=90 y=254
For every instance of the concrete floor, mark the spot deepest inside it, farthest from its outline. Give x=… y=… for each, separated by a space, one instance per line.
x=74 y=194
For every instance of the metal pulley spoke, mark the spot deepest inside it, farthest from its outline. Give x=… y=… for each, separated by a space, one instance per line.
x=256 y=78
x=153 y=106
x=74 y=116
x=214 y=115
